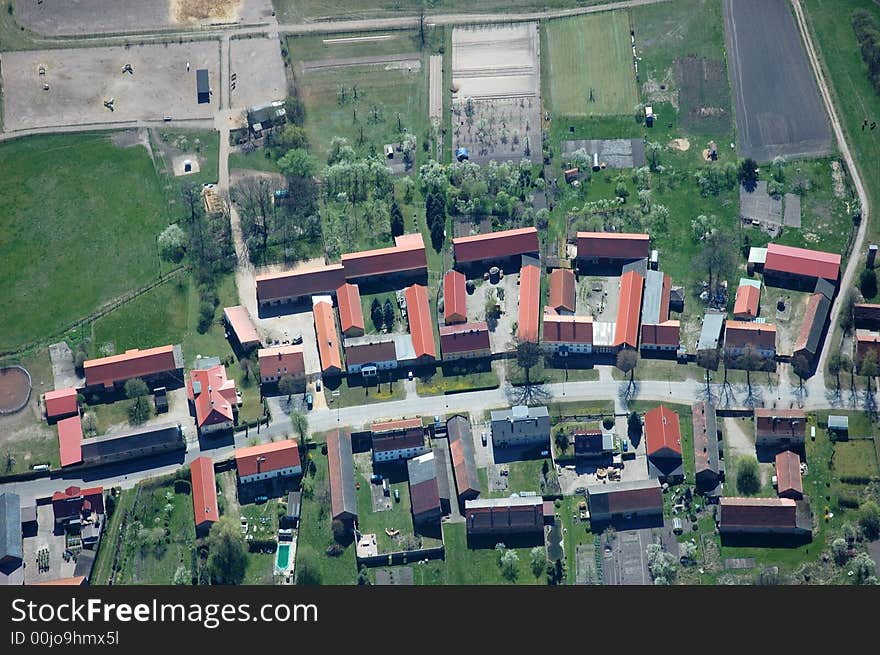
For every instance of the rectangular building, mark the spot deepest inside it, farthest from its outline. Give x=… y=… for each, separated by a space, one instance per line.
x=740 y=335
x=61 y=404
x=461 y=450
x=596 y=248
x=562 y=291
x=708 y=467
x=11 y=549
x=529 y=303
x=866 y=315
x=149 y=365
x=484 y=250
x=663 y=444
x=809 y=340
x=764 y=516
x=393 y=440
x=75 y=505
x=204 y=494
x=465 y=341
x=351 y=314
x=748 y=300
x=298 y=285
x=213 y=398
x=593 y=443
x=504 y=516
x=710 y=332
x=566 y=335
x=340 y=464
x=203 y=86
x=780 y=427
x=626 y=332
x=369 y=355
x=624 y=501
x=799 y=267
x=132 y=444
x=70 y=438
x=454 y=298
x=278 y=361
x=424 y=491
x=521 y=426
x=405 y=260
x=661 y=337
x=421 y=327
x=789 y=483
x=328 y=338
x=266 y=461
x=240 y=328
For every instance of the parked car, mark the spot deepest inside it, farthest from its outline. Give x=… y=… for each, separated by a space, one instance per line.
x=317 y=385
x=309 y=400
x=397 y=495
x=375 y=478
x=483 y=437
x=409 y=375
x=625 y=445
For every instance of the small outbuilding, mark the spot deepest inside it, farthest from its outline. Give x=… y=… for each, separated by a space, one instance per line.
x=203 y=86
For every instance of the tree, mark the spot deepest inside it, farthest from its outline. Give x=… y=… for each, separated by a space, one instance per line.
x=865 y=569
x=397 y=226
x=300 y=425
x=138 y=392
x=388 y=314
x=290 y=138
x=172 y=243
x=717 y=259
x=847 y=318
x=868 y=366
x=287 y=385
x=868 y=283
x=834 y=367
x=89 y=424
x=562 y=441
x=340 y=531
x=708 y=359
x=527 y=355
x=509 y=562
x=297 y=163
x=748 y=476
x=748 y=174
x=492 y=310
x=537 y=560
x=634 y=427
x=627 y=360
x=307 y=571
x=750 y=360
x=661 y=564
x=768 y=576
x=227 y=553
x=688 y=551
x=849 y=532
x=840 y=550
x=652 y=150
x=376 y=314
x=801 y=367
x=869 y=519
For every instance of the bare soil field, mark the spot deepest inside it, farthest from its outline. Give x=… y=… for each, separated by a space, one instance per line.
x=496 y=91
x=703 y=95
x=15 y=389
x=81 y=79
x=259 y=72
x=778 y=110
x=66 y=18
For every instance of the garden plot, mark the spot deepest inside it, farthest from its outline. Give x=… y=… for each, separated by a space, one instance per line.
x=613 y=153
x=703 y=95
x=80 y=80
x=496 y=97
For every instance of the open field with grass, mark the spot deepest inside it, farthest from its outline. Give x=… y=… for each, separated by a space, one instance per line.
x=253 y=161
x=88 y=210
x=457 y=376
x=576 y=533
x=479 y=566
x=353 y=392
x=591 y=65
x=204 y=145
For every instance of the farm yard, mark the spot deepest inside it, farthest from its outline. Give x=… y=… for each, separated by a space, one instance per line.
x=590 y=65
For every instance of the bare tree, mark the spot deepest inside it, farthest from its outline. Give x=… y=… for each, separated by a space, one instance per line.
x=627 y=360
x=750 y=360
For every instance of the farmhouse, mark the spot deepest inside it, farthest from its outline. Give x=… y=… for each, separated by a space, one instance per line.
x=663 y=441
x=454 y=298
x=562 y=291
x=748 y=300
x=213 y=399
x=866 y=341
x=418 y=312
x=566 y=335
x=521 y=427
x=788 y=475
x=799 y=268
x=70 y=438
x=340 y=463
x=135 y=443
x=626 y=331
x=328 y=340
x=623 y=501
x=369 y=355
x=60 y=404
x=278 y=361
x=424 y=492
x=461 y=450
x=708 y=467
x=204 y=494
x=393 y=440
x=481 y=251
x=351 y=314
x=240 y=328
x=740 y=335
x=665 y=336
x=465 y=341
x=504 y=516
x=298 y=285
x=614 y=248
x=593 y=443
x=11 y=551
x=406 y=260
x=74 y=504
x=780 y=427
x=266 y=461
x=529 y=303
x=764 y=516
x=809 y=340
x=150 y=365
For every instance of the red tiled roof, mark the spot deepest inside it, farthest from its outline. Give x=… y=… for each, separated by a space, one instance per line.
x=464 y=338
x=61 y=402
x=240 y=322
x=393 y=426
x=328 y=340
x=567 y=329
x=281 y=360
x=529 y=303
x=74 y=581
x=204 y=491
x=131 y=364
x=612 y=245
x=300 y=282
x=800 y=261
x=780 y=422
x=70 y=438
x=351 y=314
x=71 y=502
x=758 y=513
x=418 y=312
x=662 y=432
x=424 y=496
x=562 y=292
x=495 y=245
x=738 y=334
x=216 y=396
x=626 y=331
x=667 y=333
x=788 y=474
x=454 y=298
x=408 y=254
x=747 y=299
x=267 y=457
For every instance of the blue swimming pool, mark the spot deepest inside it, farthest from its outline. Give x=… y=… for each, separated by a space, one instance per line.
x=282 y=556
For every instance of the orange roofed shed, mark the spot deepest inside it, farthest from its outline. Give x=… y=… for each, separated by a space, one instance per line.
x=351 y=315
x=562 y=290
x=626 y=330
x=454 y=298
x=529 y=303
x=418 y=312
x=328 y=339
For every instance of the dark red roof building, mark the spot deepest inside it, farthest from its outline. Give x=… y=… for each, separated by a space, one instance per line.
x=74 y=503
x=465 y=341
x=290 y=286
x=407 y=256
x=418 y=312
x=600 y=246
x=454 y=298
x=789 y=483
x=504 y=516
x=495 y=245
x=562 y=290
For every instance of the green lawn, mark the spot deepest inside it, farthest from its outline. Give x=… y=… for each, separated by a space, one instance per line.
x=104 y=560
x=456 y=377
x=479 y=566
x=855 y=459
x=85 y=208
x=525 y=475
x=352 y=392
x=315 y=533
x=543 y=373
x=398 y=518
x=591 y=57
x=204 y=144
x=253 y=161
x=576 y=533
x=582 y=408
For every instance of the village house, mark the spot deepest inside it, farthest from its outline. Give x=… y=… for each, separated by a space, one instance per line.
x=748 y=300
x=866 y=341
x=601 y=249
x=340 y=465
x=327 y=337
x=393 y=440
x=267 y=461
x=764 y=517
x=424 y=491
x=780 y=428
x=278 y=361
x=708 y=467
x=566 y=335
x=465 y=341
x=663 y=444
x=626 y=331
x=421 y=327
x=406 y=260
x=299 y=285
x=521 y=427
x=212 y=397
x=810 y=336
x=204 y=494
x=789 y=483
x=369 y=355
x=591 y=444
x=454 y=298
x=740 y=335
x=164 y=363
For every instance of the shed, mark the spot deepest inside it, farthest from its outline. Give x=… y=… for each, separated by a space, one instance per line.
x=294 y=507
x=203 y=86
x=838 y=424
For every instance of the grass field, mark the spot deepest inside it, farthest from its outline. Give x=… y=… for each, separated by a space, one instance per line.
x=452 y=378
x=591 y=55
x=80 y=221
x=479 y=566
x=253 y=161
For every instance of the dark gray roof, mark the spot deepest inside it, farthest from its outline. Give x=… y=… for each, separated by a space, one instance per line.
x=836 y=422
x=652 y=298
x=294 y=504
x=341 y=467
x=824 y=287
x=706 y=446
x=202 y=84
x=625 y=497
x=710 y=333
x=10 y=527
x=132 y=443
x=84 y=563
x=640 y=266
x=814 y=337
x=442 y=473
x=421 y=468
